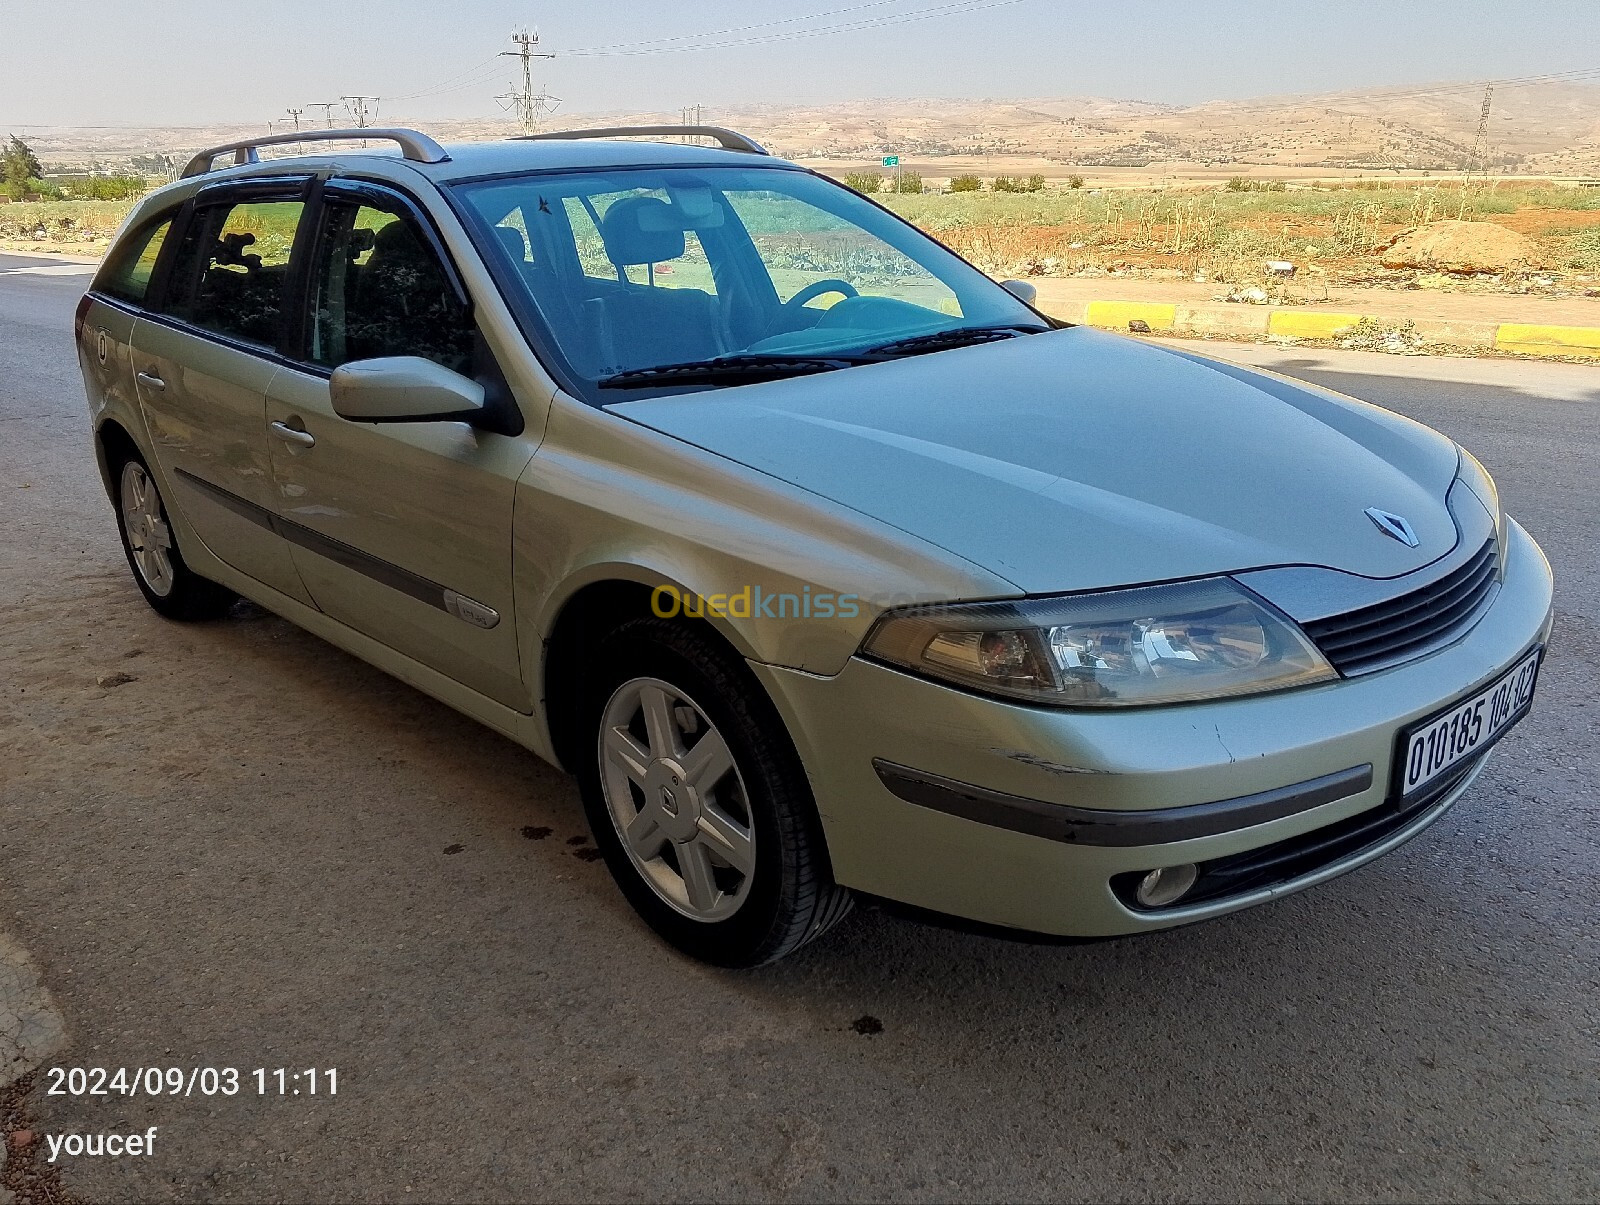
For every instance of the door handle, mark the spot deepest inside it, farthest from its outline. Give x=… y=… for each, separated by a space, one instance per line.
x=150 y=380
x=292 y=435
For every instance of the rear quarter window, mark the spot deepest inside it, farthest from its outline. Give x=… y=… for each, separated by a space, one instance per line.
x=127 y=273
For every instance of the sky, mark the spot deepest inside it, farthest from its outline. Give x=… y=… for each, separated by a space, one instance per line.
x=187 y=62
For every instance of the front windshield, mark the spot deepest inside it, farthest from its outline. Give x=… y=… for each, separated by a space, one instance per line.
x=624 y=270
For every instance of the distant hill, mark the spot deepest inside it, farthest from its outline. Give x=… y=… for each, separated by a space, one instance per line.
x=1548 y=128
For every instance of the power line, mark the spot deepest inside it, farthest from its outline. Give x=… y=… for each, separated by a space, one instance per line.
x=443 y=85
x=717 y=33
x=943 y=10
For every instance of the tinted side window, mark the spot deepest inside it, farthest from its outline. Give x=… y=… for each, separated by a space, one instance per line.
x=127 y=276
x=232 y=267
x=379 y=290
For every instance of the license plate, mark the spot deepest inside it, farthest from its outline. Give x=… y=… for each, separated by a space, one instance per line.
x=1466 y=727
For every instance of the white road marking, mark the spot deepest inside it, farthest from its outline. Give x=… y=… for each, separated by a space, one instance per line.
x=50 y=271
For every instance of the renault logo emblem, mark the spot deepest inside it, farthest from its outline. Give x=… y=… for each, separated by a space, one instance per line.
x=1393 y=526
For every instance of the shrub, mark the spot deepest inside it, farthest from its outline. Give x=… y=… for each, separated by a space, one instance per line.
x=906 y=182
x=1074 y=181
x=1244 y=184
x=1007 y=184
x=1035 y=183
x=102 y=188
x=966 y=184
x=867 y=182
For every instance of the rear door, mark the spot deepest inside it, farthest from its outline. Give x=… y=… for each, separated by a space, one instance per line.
x=202 y=365
x=120 y=289
x=400 y=530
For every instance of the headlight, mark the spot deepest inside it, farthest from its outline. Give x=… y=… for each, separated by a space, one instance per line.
x=1476 y=478
x=1123 y=648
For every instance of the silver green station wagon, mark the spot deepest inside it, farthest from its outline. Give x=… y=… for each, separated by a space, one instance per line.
x=830 y=566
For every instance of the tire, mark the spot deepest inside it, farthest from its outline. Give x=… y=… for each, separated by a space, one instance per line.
x=727 y=860
x=148 y=541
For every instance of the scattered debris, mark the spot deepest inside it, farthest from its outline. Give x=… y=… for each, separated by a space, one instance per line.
x=867 y=1025
x=1138 y=326
x=107 y=681
x=1254 y=295
x=1370 y=335
x=454 y=849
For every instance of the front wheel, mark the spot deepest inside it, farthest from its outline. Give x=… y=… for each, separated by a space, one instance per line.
x=167 y=583
x=699 y=803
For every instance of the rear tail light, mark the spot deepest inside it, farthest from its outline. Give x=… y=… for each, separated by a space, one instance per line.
x=77 y=318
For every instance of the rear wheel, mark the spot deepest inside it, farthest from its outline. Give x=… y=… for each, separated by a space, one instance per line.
x=699 y=803
x=167 y=583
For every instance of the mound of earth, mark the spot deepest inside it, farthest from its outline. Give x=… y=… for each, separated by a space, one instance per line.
x=1453 y=246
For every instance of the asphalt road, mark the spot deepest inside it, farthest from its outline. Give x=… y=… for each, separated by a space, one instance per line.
x=262 y=853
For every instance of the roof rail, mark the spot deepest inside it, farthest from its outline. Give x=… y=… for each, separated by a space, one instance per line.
x=414 y=146
x=730 y=139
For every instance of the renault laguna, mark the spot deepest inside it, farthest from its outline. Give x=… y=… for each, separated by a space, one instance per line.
x=828 y=565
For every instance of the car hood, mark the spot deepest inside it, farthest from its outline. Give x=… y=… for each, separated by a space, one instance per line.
x=1077 y=460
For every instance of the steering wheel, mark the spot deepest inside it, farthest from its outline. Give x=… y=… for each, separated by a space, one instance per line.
x=816 y=289
x=781 y=321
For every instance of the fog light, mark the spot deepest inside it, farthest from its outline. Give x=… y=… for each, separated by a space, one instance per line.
x=1166 y=886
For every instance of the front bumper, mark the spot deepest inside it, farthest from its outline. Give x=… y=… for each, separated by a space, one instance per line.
x=1150 y=764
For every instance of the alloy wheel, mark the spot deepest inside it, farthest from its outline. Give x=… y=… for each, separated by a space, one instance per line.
x=677 y=799
x=149 y=536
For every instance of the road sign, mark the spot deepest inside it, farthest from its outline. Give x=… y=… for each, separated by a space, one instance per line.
x=891 y=161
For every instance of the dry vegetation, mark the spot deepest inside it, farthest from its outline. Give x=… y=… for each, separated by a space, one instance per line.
x=1217 y=233
x=1228 y=235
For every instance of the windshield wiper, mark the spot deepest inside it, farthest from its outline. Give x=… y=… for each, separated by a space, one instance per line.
x=730 y=370
x=961 y=336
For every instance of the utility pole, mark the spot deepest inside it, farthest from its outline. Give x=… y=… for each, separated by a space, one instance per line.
x=692 y=115
x=295 y=113
x=531 y=108
x=356 y=106
x=327 y=107
x=1480 y=144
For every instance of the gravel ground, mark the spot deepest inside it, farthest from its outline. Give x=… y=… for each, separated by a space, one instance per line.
x=257 y=852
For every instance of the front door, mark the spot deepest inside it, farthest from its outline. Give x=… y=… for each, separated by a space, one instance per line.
x=400 y=530
x=202 y=366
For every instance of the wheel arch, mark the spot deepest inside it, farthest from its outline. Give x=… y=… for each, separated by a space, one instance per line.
x=579 y=621
x=112 y=445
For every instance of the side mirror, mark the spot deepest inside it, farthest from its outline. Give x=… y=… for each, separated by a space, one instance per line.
x=1021 y=290
x=403 y=389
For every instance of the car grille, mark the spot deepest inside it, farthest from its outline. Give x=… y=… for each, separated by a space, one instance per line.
x=1415 y=623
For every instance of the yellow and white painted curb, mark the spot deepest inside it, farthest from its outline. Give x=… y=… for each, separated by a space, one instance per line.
x=1548 y=340
x=1251 y=322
